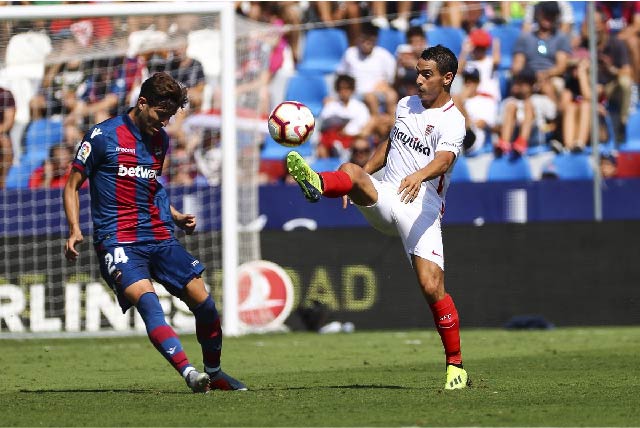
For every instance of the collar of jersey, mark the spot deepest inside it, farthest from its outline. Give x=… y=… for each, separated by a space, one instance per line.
x=132 y=126
x=447 y=104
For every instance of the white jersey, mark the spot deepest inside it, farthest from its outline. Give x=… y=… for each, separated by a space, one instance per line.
x=417 y=135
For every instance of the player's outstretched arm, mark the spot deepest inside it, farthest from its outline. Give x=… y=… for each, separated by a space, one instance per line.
x=72 y=211
x=186 y=222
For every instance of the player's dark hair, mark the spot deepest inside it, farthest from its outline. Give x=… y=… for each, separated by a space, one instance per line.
x=162 y=90
x=445 y=60
x=344 y=78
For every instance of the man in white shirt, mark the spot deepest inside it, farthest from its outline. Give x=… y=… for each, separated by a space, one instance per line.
x=342 y=119
x=409 y=199
x=480 y=110
x=374 y=70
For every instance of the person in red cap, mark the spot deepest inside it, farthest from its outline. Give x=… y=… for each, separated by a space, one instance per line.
x=475 y=55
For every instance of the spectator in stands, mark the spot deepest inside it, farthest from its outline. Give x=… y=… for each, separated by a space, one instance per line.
x=61 y=87
x=255 y=89
x=72 y=137
x=465 y=15
x=342 y=120
x=328 y=12
x=189 y=72
x=565 y=17
x=474 y=54
x=380 y=12
x=102 y=92
x=608 y=166
x=446 y=13
x=407 y=57
x=373 y=69
x=208 y=157
x=183 y=170
x=360 y=151
x=623 y=21
x=544 y=51
x=7 y=118
x=53 y=174
x=480 y=110
x=576 y=106
x=525 y=117
x=614 y=73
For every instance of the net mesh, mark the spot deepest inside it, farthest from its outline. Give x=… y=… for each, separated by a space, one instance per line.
x=65 y=75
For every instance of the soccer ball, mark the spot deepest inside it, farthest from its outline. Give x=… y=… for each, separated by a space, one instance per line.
x=291 y=123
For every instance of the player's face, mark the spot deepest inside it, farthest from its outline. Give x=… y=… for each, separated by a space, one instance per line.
x=151 y=119
x=430 y=82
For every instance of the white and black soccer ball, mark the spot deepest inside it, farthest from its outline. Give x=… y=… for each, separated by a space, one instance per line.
x=291 y=123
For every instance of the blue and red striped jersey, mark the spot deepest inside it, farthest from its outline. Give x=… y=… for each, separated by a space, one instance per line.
x=128 y=204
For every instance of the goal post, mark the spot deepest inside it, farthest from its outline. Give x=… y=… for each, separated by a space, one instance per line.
x=37 y=288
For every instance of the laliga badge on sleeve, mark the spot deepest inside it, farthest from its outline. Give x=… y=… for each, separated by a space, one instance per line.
x=84 y=151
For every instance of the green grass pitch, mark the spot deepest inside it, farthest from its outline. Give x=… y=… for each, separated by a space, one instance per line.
x=562 y=377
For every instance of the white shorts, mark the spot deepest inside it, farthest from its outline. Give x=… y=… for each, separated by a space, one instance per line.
x=417 y=223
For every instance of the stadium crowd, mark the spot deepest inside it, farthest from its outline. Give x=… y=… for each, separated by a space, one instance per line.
x=523 y=84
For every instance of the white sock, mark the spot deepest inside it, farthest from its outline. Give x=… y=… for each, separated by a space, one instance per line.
x=186 y=371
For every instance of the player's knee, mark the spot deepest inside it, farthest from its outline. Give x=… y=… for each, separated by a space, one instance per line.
x=432 y=284
x=355 y=172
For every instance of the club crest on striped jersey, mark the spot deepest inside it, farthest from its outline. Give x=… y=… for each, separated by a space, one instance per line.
x=84 y=151
x=428 y=130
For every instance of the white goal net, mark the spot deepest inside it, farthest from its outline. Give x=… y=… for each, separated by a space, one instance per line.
x=64 y=68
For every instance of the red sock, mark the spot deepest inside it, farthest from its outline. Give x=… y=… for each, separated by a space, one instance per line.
x=335 y=184
x=447 y=322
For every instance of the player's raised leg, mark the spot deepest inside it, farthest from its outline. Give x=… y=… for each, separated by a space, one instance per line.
x=162 y=336
x=350 y=180
x=209 y=334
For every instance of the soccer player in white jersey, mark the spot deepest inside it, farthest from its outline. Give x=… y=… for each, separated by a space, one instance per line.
x=409 y=199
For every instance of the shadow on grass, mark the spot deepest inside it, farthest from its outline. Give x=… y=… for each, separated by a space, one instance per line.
x=356 y=386
x=100 y=391
x=149 y=391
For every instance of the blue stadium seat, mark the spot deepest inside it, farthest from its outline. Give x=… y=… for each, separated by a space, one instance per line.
x=573 y=166
x=507 y=34
x=326 y=164
x=390 y=38
x=509 y=168
x=579 y=13
x=323 y=49
x=504 y=80
x=40 y=136
x=633 y=134
x=460 y=172
x=18 y=176
x=447 y=36
x=273 y=150
x=309 y=89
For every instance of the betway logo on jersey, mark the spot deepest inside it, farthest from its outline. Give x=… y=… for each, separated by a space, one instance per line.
x=409 y=141
x=136 y=171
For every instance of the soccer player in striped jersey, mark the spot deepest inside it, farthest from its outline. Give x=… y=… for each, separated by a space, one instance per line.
x=134 y=222
x=409 y=199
